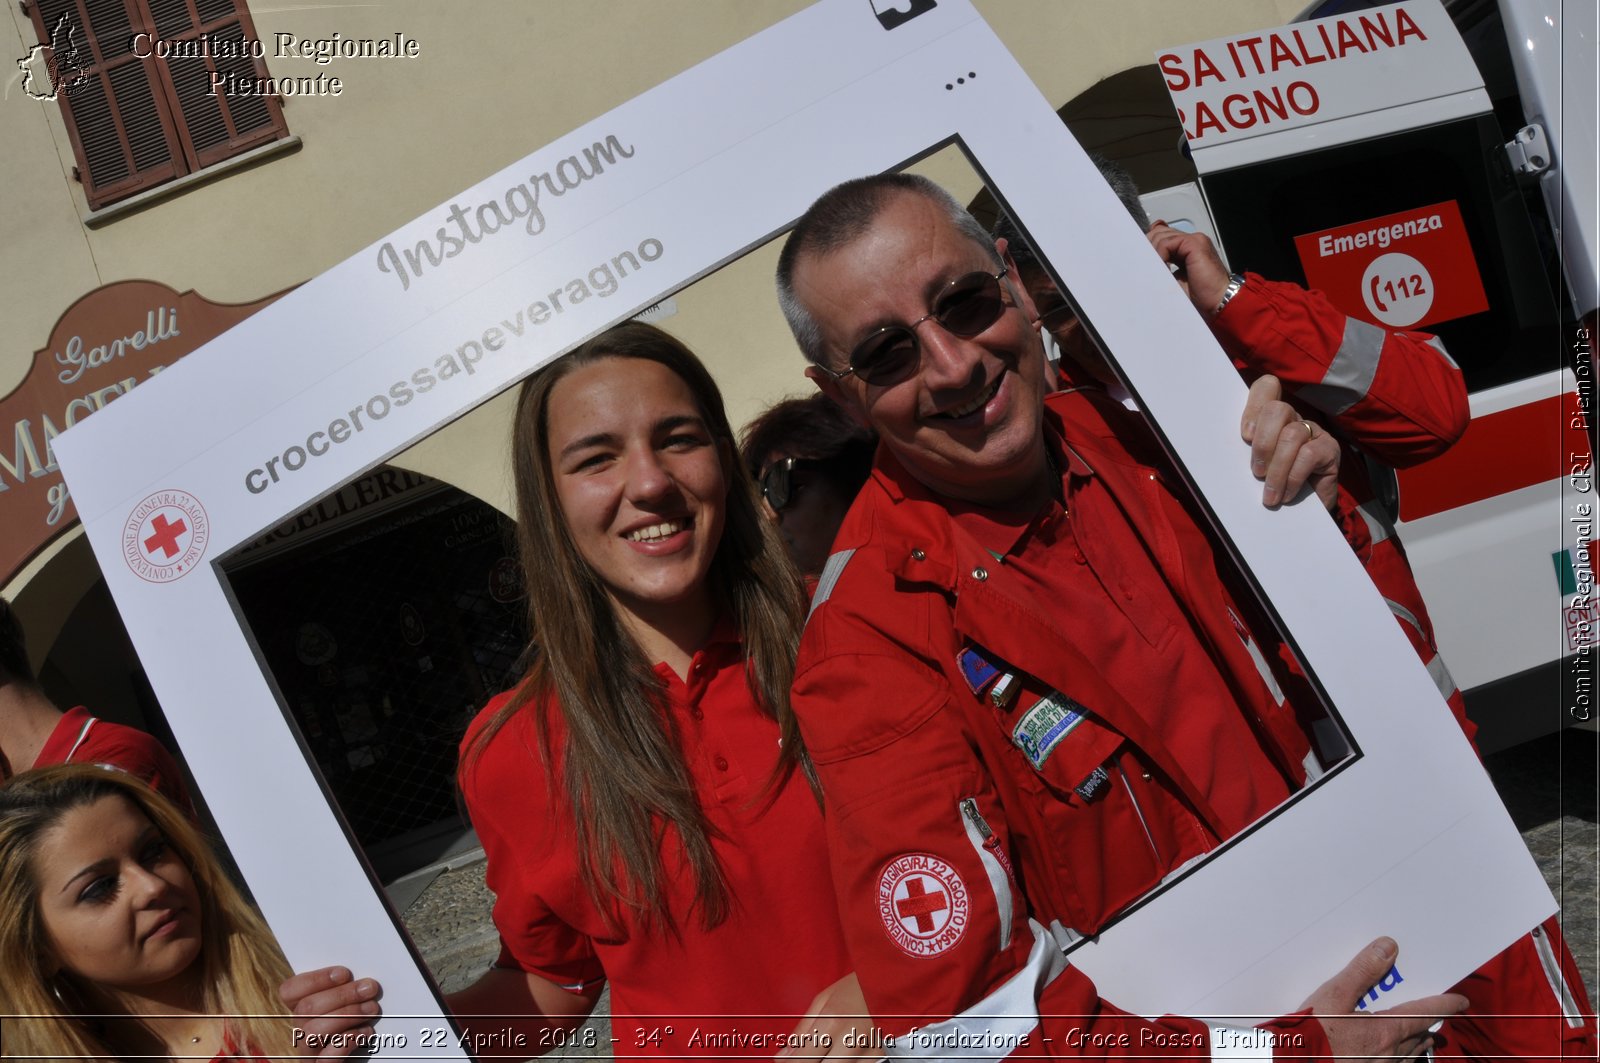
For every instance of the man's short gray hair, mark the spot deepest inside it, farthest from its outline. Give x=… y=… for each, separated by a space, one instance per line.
x=841 y=215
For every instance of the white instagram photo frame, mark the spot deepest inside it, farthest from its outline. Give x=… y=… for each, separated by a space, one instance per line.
x=1406 y=838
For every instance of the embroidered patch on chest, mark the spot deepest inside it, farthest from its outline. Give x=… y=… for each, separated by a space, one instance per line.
x=923 y=903
x=1043 y=726
x=977 y=668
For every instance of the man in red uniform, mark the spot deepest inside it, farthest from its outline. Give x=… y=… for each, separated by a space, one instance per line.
x=1400 y=398
x=36 y=734
x=986 y=684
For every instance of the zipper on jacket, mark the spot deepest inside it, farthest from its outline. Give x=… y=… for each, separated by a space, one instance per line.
x=995 y=863
x=1556 y=977
x=1134 y=801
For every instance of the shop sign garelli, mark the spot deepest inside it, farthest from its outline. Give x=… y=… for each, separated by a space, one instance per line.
x=104 y=345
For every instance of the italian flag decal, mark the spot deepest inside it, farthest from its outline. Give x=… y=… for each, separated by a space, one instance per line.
x=1575 y=576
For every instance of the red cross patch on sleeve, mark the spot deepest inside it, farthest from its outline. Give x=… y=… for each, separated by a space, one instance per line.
x=924 y=904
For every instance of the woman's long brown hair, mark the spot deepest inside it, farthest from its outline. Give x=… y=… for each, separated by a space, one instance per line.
x=623 y=772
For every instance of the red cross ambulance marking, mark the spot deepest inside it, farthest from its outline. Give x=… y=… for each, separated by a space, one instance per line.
x=166 y=535
x=923 y=903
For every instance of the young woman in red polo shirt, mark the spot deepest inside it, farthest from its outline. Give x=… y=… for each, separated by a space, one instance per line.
x=646 y=819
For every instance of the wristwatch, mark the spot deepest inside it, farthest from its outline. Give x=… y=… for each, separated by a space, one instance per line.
x=1235 y=282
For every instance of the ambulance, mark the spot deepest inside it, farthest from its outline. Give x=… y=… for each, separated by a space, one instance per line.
x=1432 y=166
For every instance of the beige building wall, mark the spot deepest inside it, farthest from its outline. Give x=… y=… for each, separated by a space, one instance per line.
x=495 y=81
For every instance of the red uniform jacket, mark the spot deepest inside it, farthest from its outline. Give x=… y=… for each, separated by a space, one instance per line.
x=961 y=866
x=1397 y=396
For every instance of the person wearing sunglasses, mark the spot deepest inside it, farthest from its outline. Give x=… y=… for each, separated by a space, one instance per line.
x=1383 y=396
x=810 y=459
x=988 y=683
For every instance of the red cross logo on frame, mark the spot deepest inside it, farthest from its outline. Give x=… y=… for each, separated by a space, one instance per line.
x=165 y=536
x=923 y=903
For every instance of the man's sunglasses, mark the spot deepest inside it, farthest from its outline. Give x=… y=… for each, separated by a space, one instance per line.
x=968 y=306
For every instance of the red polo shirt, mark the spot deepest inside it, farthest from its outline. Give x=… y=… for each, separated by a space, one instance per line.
x=79 y=738
x=736 y=989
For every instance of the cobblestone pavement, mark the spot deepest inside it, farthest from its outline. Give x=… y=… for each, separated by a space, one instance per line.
x=1548 y=785
x=451 y=927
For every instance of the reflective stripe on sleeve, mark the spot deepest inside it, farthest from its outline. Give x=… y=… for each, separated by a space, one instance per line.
x=1436 y=666
x=1437 y=344
x=991 y=1029
x=1376 y=518
x=1249 y=1042
x=1265 y=669
x=831 y=571
x=1556 y=977
x=1441 y=677
x=1256 y=657
x=1350 y=373
x=1405 y=614
x=979 y=834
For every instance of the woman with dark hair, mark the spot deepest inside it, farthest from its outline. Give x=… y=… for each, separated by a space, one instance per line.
x=120 y=934
x=810 y=459
x=647 y=815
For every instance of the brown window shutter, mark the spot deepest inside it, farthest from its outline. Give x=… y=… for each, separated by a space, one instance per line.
x=136 y=122
x=214 y=127
x=117 y=119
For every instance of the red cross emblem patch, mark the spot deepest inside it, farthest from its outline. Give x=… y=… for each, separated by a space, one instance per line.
x=165 y=536
x=923 y=903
